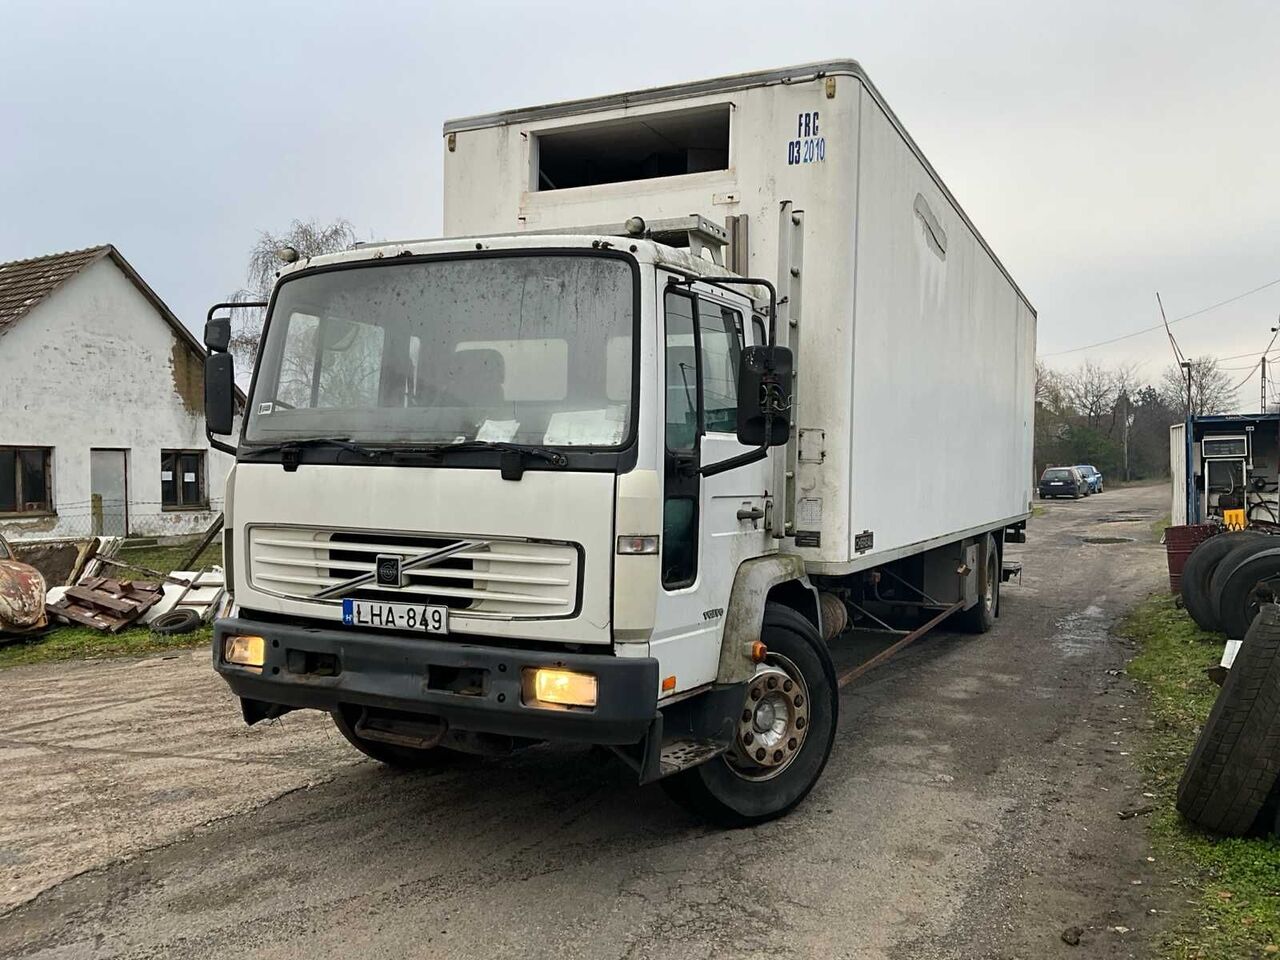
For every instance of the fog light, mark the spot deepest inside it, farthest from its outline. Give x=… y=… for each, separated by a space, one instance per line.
x=245 y=651
x=547 y=686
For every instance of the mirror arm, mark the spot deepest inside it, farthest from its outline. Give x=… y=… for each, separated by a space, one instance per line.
x=755 y=281
x=234 y=305
x=218 y=444
x=741 y=460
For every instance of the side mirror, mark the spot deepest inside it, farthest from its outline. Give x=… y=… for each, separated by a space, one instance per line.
x=219 y=393
x=764 y=395
x=217 y=335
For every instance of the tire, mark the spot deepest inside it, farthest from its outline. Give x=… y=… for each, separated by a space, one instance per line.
x=1199 y=570
x=176 y=621
x=1236 y=760
x=981 y=617
x=732 y=789
x=402 y=758
x=1225 y=568
x=1242 y=594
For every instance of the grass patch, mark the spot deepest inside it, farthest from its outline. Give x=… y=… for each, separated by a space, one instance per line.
x=82 y=643
x=166 y=559
x=1234 y=883
x=61 y=642
x=1038 y=511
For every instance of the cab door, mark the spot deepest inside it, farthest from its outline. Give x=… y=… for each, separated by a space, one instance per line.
x=710 y=524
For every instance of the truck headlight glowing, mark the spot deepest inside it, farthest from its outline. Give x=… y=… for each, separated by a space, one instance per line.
x=547 y=686
x=244 y=651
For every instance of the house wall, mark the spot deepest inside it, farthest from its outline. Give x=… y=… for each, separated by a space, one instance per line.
x=96 y=366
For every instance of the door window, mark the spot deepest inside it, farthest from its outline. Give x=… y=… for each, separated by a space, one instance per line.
x=680 y=504
x=720 y=341
x=702 y=349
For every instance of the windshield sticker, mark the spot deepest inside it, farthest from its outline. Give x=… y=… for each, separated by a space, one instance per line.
x=584 y=428
x=808 y=145
x=498 y=431
x=265 y=408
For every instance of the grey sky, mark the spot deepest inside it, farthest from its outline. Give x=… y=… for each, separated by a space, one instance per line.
x=1106 y=150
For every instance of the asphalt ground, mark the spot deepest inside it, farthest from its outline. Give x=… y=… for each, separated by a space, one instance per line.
x=969 y=810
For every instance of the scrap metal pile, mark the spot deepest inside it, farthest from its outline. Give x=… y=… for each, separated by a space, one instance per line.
x=100 y=591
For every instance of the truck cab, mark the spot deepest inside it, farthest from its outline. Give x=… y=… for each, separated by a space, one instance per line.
x=492 y=491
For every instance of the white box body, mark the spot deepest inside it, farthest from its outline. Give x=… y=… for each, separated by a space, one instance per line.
x=916 y=349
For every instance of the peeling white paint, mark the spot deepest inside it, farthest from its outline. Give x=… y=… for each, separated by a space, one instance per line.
x=92 y=366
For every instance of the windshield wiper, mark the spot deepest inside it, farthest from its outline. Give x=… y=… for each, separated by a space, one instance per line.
x=553 y=457
x=289 y=450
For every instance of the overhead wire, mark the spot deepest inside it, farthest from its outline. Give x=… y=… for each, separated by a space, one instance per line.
x=1165 y=323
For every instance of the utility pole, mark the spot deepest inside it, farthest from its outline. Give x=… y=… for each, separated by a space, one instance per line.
x=1124 y=432
x=1263 y=409
x=1186 y=365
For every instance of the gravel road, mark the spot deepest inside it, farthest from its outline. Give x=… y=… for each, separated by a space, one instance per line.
x=969 y=811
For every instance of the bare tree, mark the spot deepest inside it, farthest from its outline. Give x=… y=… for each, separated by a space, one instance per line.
x=1092 y=390
x=310 y=238
x=1211 y=389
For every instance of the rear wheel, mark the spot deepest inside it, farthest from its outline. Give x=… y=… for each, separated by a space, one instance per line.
x=393 y=755
x=981 y=617
x=782 y=738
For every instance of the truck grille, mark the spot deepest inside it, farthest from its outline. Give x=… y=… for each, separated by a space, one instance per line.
x=504 y=578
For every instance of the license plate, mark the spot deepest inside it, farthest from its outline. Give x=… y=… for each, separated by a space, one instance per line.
x=395 y=616
x=1057 y=483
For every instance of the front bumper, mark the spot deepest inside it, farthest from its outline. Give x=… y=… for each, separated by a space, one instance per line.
x=396 y=672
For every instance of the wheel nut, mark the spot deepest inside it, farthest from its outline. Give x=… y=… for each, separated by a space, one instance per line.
x=777 y=756
x=760 y=754
x=799 y=699
x=787 y=685
x=755 y=694
x=799 y=723
x=748 y=737
x=773 y=683
x=746 y=716
x=791 y=744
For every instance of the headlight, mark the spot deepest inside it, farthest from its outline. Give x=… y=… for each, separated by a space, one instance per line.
x=244 y=651
x=547 y=686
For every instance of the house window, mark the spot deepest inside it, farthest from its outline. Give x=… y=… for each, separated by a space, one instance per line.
x=182 y=480
x=25 y=476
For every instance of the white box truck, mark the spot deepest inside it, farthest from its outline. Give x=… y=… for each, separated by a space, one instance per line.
x=698 y=375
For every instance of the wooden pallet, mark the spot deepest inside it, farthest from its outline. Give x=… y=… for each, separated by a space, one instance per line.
x=106 y=604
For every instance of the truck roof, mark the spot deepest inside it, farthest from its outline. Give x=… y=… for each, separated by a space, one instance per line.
x=645 y=251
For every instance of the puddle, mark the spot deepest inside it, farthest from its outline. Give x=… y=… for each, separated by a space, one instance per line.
x=1077 y=634
x=1127 y=518
x=1106 y=540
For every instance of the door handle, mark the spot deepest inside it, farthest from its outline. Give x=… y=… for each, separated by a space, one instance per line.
x=750 y=513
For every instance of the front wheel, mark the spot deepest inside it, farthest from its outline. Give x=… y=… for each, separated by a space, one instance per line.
x=783 y=735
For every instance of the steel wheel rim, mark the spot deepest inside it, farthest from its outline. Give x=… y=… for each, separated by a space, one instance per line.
x=774 y=722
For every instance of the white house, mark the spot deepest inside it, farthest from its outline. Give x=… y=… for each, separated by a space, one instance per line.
x=101 y=404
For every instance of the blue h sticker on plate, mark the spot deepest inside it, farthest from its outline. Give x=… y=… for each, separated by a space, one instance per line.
x=348 y=612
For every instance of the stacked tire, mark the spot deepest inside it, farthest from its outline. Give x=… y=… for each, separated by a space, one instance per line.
x=1229 y=784
x=1228 y=577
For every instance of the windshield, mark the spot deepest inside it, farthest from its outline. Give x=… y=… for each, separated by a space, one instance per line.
x=521 y=349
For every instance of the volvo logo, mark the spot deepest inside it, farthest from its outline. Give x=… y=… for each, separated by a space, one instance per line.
x=389 y=570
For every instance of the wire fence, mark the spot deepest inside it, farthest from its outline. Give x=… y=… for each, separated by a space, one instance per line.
x=111 y=519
